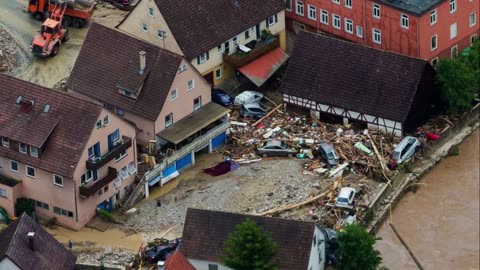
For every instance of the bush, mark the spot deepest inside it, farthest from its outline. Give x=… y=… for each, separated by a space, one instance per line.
x=356 y=249
x=454 y=150
x=51 y=222
x=368 y=216
x=105 y=215
x=24 y=205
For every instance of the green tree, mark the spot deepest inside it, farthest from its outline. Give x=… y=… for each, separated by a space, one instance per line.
x=355 y=249
x=457 y=84
x=249 y=247
x=472 y=60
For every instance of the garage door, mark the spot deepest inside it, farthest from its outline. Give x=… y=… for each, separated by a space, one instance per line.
x=184 y=161
x=219 y=140
x=169 y=170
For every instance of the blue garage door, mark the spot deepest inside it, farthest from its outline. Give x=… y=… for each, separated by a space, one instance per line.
x=219 y=140
x=169 y=170
x=184 y=161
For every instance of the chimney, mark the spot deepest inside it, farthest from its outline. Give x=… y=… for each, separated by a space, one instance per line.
x=142 y=62
x=31 y=236
x=160 y=265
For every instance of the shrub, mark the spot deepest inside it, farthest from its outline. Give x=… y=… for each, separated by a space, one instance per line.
x=106 y=215
x=368 y=216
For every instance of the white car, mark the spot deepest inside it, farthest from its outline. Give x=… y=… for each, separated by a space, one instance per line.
x=406 y=149
x=248 y=97
x=345 y=198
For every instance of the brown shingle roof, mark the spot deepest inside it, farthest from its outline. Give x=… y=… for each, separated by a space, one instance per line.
x=353 y=76
x=205 y=233
x=64 y=130
x=108 y=59
x=49 y=254
x=199 y=26
x=178 y=262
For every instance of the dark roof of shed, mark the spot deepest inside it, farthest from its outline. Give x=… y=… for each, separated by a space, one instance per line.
x=108 y=61
x=204 y=228
x=49 y=254
x=199 y=26
x=64 y=130
x=416 y=7
x=352 y=76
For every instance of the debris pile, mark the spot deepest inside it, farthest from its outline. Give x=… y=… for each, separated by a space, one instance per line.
x=7 y=52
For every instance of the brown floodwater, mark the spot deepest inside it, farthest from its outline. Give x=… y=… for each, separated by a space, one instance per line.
x=440 y=222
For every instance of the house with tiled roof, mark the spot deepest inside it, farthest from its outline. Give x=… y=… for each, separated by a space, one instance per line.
x=217 y=36
x=332 y=78
x=178 y=262
x=301 y=244
x=69 y=155
x=25 y=245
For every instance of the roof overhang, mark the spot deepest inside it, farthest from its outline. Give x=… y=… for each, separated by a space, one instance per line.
x=193 y=123
x=260 y=70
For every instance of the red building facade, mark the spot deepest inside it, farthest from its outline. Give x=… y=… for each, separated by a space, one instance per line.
x=438 y=29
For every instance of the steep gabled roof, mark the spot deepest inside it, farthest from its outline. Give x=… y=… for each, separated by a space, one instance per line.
x=178 y=262
x=205 y=233
x=49 y=254
x=109 y=60
x=199 y=26
x=63 y=131
x=352 y=76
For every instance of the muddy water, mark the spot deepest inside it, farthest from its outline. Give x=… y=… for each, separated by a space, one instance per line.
x=440 y=222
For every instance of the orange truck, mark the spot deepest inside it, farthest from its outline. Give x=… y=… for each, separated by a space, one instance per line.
x=73 y=16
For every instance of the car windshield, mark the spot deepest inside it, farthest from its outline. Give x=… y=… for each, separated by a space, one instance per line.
x=224 y=98
x=340 y=199
x=262 y=107
x=396 y=155
x=330 y=155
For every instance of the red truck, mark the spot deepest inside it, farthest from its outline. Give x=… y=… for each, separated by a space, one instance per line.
x=73 y=16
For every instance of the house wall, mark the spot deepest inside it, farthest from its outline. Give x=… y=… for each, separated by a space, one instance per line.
x=8 y=203
x=317 y=251
x=203 y=265
x=133 y=25
x=183 y=104
x=6 y=263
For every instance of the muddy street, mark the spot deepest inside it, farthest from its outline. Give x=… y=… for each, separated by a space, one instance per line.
x=22 y=27
x=440 y=221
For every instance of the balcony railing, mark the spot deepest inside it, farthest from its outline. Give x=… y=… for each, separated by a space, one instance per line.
x=121 y=147
x=87 y=191
x=240 y=58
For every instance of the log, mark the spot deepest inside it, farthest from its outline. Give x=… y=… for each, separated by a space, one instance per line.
x=338 y=169
x=293 y=206
x=266 y=115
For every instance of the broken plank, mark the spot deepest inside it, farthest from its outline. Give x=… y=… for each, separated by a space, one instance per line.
x=266 y=115
x=293 y=206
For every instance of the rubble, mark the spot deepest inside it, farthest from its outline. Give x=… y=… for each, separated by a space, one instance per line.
x=8 y=51
x=109 y=256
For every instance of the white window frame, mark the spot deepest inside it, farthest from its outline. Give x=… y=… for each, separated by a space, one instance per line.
x=288 y=5
x=336 y=2
x=453 y=6
x=20 y=148
x=404 y=22
x=10 y=165
x=192 y=86
x=348 y=23
x=453 y=30
x=431 y=43
x=359 y=32
x=105 y=121
x=3 y=193
x=174 y=94
x=451 y=52
x=220 y=49
x=474 y=19
x=144 y=27
x=433 y=17
x=348 y=4
x=312 y=10
x=195 y=107
x=182 y=68
x=337 y=18
x=234 y=41
x=34 y=171
x=299 y=5
x=270 y=21
x=169 y=123
x=150 y=12
x=60 y=177
x=161 y=34
x=375 y=10
x=32 y=151
x=434 y=60
x=323 y=16
x=376 y=32
x=5 y=142
x=473 y=38
x=202 y=58
x=218 y=77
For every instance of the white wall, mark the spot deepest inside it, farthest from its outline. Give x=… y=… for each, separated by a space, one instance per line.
x=203 y=265
x=317 y=252
x=6 y=264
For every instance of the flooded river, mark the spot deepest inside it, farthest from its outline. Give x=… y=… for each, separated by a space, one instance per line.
x=440 y=222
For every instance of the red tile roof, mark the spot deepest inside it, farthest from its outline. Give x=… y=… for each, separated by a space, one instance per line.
x=178 y=262
x=64 y=130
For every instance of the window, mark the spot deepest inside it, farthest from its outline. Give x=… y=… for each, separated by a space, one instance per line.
x=33 y=151
x=123 y=173
x=299 y=10
x=312 y=12
x=473 y=19
x=404 y=21
x=182 y=68
x=150 y=12
x=168 y=120
x=62 y=212
x=94 y=151
x=435 y=62
x=227 y=47
x=453 y=6
x=105 y=121
x=13 y=166
x=218 y=73
x=234 y=41
x=433 y=42
x=472 y=40
x=336 y=1
x=39 y=204
x=433 y=17
x=120 y=112
x=270 y=21
x=454 y=52
x=161 y=34
x=30 y=171
x=5 y=142
x=348 y=3
x=336 y=22
x=99 y=124
x=324 y=16
x=202 y=58
x=377 y=36
x=288 y=5
x=3 y=193
x=22 y=148
x=144 y=27
x=58 y=180
x=348 y=26
x=247 y=35
x=190 y=85
x=376 y=11
x=212 y=267
x=359 y=31
x=453 y=31
x=197 y=103
x=174 y=94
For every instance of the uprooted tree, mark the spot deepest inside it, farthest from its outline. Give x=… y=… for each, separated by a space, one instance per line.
x=355 y=249
x=249 y=247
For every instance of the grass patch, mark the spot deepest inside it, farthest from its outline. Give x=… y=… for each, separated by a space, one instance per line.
x=454 y=150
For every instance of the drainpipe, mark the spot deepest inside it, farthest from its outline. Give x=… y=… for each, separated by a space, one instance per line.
x=418 y=43
x=75 y=193
x=365 y=22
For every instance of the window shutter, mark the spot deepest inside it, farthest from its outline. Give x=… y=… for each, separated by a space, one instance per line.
x=266 y=22
x=208 y=56
x=276 y=18
x=198 y=60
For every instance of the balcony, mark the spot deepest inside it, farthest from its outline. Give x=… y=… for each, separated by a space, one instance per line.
x=87 y=191
x=119 y=148
x=8 y=181
x=267 y=43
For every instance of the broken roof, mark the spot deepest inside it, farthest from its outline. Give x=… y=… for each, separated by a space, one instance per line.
x=352 y=76
x=109 y=60
x=63 y=131
x=49 y=254
x=199 y=26
x=205 y=228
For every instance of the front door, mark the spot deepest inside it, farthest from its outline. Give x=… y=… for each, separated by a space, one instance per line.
x=257 y=29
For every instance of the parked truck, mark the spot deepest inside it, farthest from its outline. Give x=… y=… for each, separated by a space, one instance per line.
x=77 y=13
x=52 y=35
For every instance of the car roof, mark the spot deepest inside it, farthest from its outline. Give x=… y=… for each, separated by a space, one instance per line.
x=326 y=146
x=345 y=191
x=248 y=93
x=402 y=144
x=252 y=105
x=273 y=142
